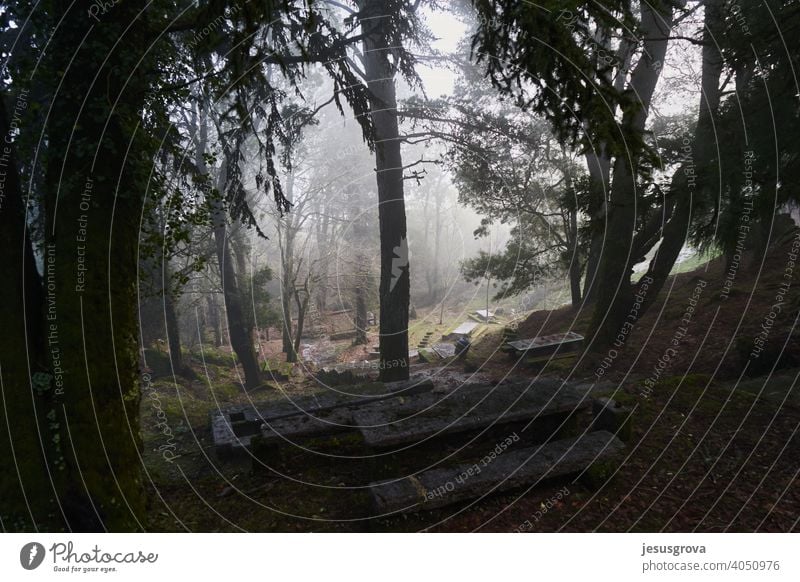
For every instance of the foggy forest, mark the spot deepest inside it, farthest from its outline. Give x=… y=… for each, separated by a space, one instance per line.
x=400 y=266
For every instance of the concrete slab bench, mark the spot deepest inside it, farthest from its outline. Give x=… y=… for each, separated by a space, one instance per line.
x=466 y=329
x=545 y=345
x=471 y=408
x=511 y=469
x=233 y=427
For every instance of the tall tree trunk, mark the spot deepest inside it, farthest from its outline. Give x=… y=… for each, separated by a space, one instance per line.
x=613 y=289
x=288 y=327
x=395 y=285
x=426 y=245
x=702 y=155
x=213 y=318
x=26 y=489
x=158 y=292
x=241 y=340
x=575 y=267
x=571 y=241
x=437 y=278
x=302 y=308
x=323 y=242
x=286 y=236
x=598 y=162
x=171 y=323
x=94 y=185
x=288 y=279
x=599 y=176
x=241 y=251
x=361 y=301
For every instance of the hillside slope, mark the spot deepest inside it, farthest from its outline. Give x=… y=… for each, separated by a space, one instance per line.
x=722 y=322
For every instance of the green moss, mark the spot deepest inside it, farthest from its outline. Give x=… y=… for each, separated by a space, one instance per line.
x=158 y=362
x=561 y=365
x=687 y=383
x=227 y=391
x=338 y=442
x=214 y=356
x=624 y=398
x=599 y=473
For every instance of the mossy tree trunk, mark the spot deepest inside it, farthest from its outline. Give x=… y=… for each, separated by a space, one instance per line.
x=26 y=490
x=95 y=184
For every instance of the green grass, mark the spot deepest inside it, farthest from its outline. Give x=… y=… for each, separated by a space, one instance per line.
x=697 y=260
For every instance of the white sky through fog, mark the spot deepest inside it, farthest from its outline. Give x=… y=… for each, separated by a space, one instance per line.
x=677 y=93
x=678 y=90
x=449 y=30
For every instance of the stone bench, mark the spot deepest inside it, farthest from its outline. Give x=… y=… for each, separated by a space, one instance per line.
x=233 y=428
x=468 y=408
x=547 y=345
x=466 y=329
x=511 y=469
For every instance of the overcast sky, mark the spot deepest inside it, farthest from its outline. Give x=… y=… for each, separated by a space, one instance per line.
x=439 y=81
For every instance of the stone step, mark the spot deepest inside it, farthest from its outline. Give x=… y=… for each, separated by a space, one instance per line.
x=509 y=469
x=470 y=408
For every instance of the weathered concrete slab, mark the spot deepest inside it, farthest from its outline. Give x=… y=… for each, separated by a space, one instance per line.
x=290 y=429
x=484 y=314
x=466 y=329
x=233 y=427
x=337 y=419
x=547 y=344
x=611 y=416
x=510 y=469
x=469 y=408
x=444 y=350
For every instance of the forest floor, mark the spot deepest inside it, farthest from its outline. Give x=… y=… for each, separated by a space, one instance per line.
x=715 y=442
